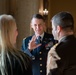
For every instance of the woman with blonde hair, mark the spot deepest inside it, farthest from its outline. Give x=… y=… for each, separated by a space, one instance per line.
x=12 y=60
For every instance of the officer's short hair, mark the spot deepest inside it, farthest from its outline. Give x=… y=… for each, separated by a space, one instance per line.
x=38 y=16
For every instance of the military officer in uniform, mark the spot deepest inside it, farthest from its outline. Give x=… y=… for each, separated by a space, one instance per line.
x=38 y=45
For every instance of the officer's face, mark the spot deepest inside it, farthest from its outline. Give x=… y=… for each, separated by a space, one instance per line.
x=38 y=26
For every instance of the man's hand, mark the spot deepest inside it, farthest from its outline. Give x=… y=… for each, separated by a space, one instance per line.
x=32 y=43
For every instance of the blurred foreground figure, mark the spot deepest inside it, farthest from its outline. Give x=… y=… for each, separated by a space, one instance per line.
x=12 y=60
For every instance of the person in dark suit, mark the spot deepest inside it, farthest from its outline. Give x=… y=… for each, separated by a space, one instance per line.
x=62 y=56
x=38 y=45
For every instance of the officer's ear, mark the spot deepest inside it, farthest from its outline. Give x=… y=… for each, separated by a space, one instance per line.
x=31 y=28
x=59 y=28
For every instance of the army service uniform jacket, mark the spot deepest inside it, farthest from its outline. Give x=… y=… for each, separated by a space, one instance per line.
x=39 y=56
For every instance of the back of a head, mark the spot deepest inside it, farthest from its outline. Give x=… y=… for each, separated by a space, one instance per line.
x=38 y=16
x=7 y=23
x=63 y=19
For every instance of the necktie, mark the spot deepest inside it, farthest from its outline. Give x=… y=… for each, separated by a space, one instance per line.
x=39 y=39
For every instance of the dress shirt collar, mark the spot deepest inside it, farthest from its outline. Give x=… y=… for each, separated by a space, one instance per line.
x=61 y=38
x=42 y=35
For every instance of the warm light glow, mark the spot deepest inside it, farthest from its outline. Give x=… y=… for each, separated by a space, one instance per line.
x=45 y=12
